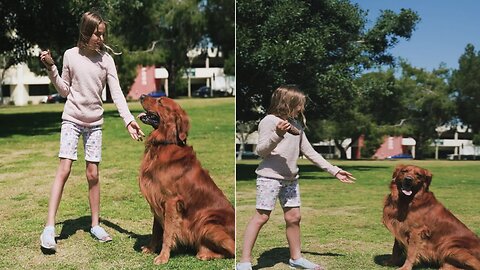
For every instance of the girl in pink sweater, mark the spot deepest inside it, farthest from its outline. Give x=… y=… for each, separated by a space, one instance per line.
x=279 y=144
x=87 y=68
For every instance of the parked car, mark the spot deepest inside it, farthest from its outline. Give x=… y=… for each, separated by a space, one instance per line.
x=157 y=94
x=400 y=156
x=205 y=91
x=54 y=98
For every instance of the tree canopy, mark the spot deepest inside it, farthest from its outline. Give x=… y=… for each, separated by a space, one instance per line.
x=146 y=31
x=322 y=46
x=466 y=89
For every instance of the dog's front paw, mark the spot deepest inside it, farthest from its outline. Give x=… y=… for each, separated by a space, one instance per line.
x=209 y=256
x=161 y=259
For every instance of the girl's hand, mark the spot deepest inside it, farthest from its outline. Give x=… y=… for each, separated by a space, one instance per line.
x=345 y=177
x=47 y=59
x=282 y=127
x=135 y=132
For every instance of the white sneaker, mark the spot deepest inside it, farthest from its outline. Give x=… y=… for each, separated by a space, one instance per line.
x=47 y=238
x=303 y=263
x=244 y=266
x=100 y=234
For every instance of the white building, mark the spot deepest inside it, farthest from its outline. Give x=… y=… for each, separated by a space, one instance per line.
x=21 y=86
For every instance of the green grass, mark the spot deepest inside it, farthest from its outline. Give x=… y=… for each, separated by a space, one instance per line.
x=29 y=141
x=341 y=224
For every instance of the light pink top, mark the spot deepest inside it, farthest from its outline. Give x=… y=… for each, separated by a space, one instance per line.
x=82 y=82
x=280 y=154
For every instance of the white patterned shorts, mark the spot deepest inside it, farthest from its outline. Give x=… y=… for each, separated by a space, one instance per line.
x=268 y=189
x=92 y=141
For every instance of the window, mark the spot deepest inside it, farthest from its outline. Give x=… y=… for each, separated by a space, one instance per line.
x=5 y=90
x=38 y=89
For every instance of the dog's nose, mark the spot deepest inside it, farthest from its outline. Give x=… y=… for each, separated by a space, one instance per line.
x=408 y=179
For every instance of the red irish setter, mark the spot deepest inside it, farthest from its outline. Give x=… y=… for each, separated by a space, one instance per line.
x=188 y=208
x=424 y=230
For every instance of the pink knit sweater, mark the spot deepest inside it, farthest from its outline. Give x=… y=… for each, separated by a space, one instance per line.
x=82 y=81
x=280 y=154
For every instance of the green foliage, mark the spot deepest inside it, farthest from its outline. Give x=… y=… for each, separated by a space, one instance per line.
x=466 y=88
x=322 y=46
x=220 y=26
x=146 y=32
x=426 y=104
x=319 y=45
x=29 y=142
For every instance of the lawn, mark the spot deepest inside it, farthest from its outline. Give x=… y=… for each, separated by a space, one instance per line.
x=341 y=224
x=29 y=141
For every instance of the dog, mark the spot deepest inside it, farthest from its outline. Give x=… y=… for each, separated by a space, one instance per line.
x=424 y=230
x=188 y=207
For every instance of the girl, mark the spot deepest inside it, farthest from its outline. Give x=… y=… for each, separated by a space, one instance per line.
x=279 y=144
x=87 y=68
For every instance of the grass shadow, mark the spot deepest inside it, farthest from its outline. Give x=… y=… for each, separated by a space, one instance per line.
x=382 y=260
x=71 y=226
x=29 y=124
x=277 y=255
x=144 y=239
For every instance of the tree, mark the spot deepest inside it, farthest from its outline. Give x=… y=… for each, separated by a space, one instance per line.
x=322 y=46
x=220 y=22
x=466 y=90
x=426 y=105
x=146 y=32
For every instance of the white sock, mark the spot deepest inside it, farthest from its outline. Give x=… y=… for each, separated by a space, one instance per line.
x=49 y=228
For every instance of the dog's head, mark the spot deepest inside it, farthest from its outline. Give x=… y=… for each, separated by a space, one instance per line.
x=410 y=179
x=170 y=121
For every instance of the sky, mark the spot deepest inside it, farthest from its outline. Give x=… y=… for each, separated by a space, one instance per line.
x=444 y=30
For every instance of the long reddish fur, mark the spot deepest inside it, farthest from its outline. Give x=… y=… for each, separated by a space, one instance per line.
x=424 y=230
x=189 y=209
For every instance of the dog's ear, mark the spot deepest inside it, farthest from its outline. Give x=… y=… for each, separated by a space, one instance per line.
x=428 y=178
x=397 y=171
x=183 y=125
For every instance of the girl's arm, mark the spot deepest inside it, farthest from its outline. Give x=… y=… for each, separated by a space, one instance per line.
x=117 y=94
x=62 y=84
x=268 y=138
x=317 y=159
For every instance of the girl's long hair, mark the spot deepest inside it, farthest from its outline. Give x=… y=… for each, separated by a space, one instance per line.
x=88 y=24
x=285 y=99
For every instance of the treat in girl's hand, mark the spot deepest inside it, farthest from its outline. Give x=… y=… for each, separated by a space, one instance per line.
x=293 y=129
x=48 y=58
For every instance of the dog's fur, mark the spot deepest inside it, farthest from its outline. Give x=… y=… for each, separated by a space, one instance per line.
x=188 y=208
x=424 y=230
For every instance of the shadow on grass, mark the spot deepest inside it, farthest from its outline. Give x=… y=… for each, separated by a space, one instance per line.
x=36 y=123
x=274 y=256
x=246 y=172
x=29 y=124
x=383 y=260
x=71 y=226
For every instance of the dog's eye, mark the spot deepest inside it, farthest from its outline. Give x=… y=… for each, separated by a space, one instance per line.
x=404 y=171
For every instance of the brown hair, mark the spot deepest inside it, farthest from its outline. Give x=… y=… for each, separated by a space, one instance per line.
x=88 y=24
x=285 y=99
